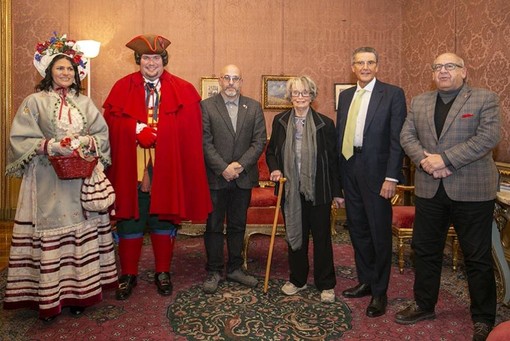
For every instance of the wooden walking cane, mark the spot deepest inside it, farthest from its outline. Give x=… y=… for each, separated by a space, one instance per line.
x=273 y=233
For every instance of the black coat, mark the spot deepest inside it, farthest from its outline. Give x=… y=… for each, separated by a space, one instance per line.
x=327 y=179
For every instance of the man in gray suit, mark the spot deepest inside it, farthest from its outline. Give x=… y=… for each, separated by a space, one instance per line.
x=449 y=134
x=234 y=137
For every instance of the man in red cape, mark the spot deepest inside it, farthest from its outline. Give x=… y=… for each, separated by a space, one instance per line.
x=157 y=169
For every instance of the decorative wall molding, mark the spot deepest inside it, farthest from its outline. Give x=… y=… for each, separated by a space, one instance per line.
x=8 y=187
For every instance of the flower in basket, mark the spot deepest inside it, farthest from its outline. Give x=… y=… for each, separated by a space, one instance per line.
x=75 y=143
x=46 y=51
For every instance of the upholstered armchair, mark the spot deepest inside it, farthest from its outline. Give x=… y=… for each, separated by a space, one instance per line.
x=402 y=224
x=262 y=208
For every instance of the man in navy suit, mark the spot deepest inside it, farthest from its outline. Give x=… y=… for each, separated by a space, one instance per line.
x=234 y=137
x=371 y=166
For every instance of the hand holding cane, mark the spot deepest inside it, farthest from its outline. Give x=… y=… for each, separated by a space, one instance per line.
x=273 y=233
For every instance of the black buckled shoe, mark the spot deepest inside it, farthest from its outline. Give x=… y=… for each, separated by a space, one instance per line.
x=126 y=285
x=76 y=311
x=163 y=283
x=48 y=319
x=377 y=306
x=359 y=290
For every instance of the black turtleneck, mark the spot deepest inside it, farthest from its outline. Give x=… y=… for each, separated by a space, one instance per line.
x=444 y=102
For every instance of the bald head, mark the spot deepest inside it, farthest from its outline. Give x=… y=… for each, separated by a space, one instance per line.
x=449 y=56
x=230 y=69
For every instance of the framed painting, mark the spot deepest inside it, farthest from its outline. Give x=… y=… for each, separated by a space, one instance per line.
x=273 y=92
x=209 y=87
x=339 y=87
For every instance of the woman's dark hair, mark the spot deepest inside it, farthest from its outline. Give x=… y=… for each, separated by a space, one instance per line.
x=47 y=82
x=164 y=56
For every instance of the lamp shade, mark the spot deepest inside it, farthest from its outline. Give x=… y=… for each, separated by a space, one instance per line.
x=89 y=48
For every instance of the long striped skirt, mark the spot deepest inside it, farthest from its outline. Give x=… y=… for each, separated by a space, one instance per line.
x=53 y=271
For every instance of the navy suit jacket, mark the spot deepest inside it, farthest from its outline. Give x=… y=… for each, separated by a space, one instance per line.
x=382 y=152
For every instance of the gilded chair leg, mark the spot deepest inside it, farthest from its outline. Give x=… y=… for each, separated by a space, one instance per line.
x=333 y=220
x=455 y=252
x=401 y=255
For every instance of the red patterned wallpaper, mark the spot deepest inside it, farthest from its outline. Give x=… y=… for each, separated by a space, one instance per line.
x=278 y=37
x=477 y=30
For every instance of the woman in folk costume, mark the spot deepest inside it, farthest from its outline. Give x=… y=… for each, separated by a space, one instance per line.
x=60 y=256
x=158 y=169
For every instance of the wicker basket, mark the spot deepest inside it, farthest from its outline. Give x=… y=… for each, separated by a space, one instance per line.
x=73 y=166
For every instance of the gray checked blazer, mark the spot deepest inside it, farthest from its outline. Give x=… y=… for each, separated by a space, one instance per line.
x=470 y=132
x=222 y=145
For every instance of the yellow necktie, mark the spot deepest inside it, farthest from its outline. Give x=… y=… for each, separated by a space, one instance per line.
x=350 y=126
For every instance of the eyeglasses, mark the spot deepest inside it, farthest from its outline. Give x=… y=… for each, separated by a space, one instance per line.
x=304 y=93
x=228 y=78
x=447 y=66
x=370 y=63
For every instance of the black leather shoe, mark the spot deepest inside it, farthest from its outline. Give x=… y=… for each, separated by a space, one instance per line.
x=359 y=290
x=163 y=283
x=413 y=314
x=126 y=285
x=481 y=330
x=377 y=306
x=48 y=319
x=76 y=311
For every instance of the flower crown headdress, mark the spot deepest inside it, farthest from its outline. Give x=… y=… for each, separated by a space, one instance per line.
x=46 y=51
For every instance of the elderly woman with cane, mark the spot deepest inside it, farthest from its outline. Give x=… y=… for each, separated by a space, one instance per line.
x=303 y=148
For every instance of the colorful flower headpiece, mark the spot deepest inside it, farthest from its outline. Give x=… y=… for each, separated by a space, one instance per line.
x=45 y=52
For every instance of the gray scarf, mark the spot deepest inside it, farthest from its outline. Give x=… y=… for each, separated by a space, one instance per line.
x=304 y=182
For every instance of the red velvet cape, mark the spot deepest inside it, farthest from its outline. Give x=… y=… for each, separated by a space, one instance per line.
x=179 y=185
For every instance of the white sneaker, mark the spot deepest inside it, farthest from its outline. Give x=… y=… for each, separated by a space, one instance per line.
x=328 y=296
x=290 y=289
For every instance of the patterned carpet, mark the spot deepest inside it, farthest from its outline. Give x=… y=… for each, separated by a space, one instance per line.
x=236 y=313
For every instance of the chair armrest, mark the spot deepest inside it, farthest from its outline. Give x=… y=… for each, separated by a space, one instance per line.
x=401 y=193
x=266 y=183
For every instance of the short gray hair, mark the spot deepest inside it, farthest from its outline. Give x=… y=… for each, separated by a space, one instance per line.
x=306 y=82
x=365 y=49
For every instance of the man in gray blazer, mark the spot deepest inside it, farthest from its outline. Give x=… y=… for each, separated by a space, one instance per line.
x=234 y=137
x=449 y=134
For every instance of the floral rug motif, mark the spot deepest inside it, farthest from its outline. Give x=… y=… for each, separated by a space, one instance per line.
x=236 y=312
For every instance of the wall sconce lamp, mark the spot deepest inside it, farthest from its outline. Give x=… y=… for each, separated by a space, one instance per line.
x=90 y=49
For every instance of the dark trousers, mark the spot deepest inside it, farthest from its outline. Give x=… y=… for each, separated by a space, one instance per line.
x=316 y=219
x=127 y=228
x=230 y=204
x=369 y=221
x=473 y=223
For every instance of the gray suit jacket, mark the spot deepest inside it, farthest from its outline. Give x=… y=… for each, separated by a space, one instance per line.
x=470 y=132
x=222 y=145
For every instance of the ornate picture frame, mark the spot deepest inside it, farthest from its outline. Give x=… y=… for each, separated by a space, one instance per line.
x=273 y=92
x=339 y=87
x=209 y=87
